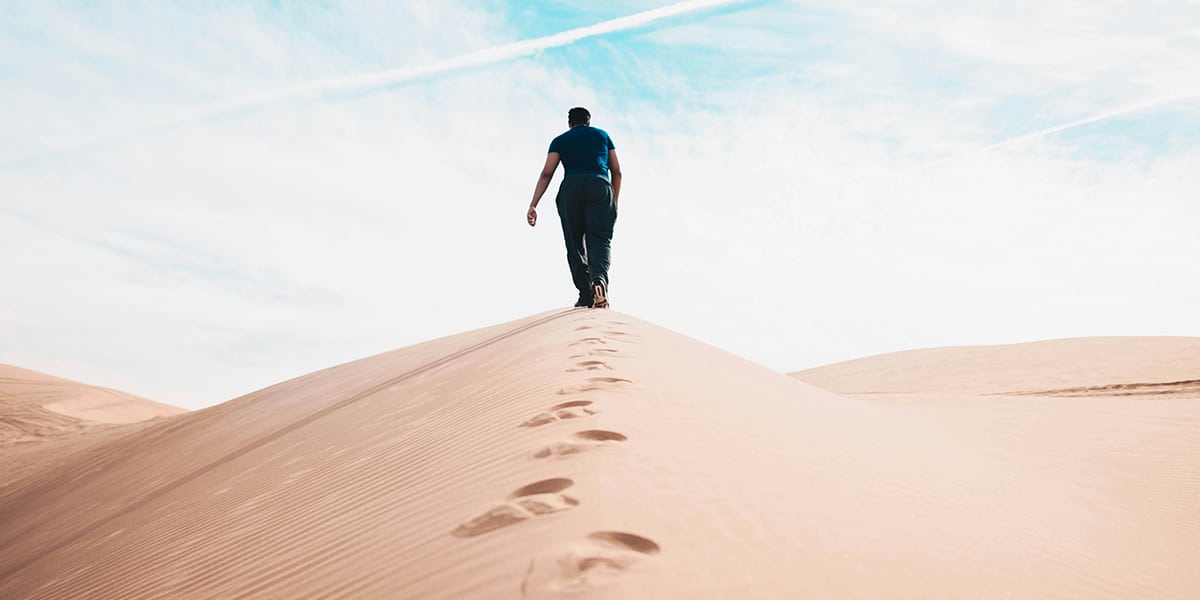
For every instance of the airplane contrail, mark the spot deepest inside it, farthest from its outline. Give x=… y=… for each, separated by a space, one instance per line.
x=374 y=80
x=1071 y=125
x=1132 y=108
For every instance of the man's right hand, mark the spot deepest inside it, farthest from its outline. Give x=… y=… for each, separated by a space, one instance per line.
x=531 y=216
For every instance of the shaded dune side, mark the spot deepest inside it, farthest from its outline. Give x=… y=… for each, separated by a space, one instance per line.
x=115 y=481
x=574 y=454
x=35 y=407
x=1189 y=387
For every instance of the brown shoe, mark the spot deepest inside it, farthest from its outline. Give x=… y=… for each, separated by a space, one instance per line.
x=599 y=295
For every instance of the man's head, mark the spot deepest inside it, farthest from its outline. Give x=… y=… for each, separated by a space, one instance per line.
x=578 y=116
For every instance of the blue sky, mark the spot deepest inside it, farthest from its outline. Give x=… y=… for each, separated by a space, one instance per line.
x=813 y=168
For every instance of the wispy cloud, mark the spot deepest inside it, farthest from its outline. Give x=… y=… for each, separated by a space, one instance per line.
x=1103 y=116
x=366 y=82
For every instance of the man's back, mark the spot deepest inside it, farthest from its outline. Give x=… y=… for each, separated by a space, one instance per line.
x=586 y=201
x=583 y=151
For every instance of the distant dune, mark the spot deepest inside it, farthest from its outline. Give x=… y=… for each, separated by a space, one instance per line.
x=1140 y=364
x=588 y=454
x=35 y=406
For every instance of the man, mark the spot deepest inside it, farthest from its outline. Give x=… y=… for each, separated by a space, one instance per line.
x=587 y=202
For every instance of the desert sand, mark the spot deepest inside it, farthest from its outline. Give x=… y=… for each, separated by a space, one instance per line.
x=589 y=454
x=35 y=406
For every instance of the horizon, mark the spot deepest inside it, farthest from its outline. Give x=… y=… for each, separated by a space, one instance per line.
x=205 y=201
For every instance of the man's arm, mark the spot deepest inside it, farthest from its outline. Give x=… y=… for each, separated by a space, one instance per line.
x=542 y=183
x=614 y=168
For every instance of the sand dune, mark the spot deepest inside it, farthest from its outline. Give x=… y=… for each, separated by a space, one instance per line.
x=589 y=454
x=1114 y=420
x=35 y=406
x=1033 y=367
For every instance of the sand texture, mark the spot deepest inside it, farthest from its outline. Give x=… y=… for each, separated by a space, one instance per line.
x=588 y=454
x=1138 y=365
x=35 y=406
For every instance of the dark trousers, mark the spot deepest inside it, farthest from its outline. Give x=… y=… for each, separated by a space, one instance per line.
x=587 y=211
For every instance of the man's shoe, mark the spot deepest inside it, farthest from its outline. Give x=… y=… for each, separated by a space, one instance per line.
x=599 y=295
x=585 y=299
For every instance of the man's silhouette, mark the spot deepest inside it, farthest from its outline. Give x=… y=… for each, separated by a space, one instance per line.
x=587 y=202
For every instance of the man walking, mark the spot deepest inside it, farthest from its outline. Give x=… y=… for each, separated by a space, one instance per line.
x=587 y=202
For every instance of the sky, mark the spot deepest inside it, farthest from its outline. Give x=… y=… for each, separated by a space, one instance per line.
x=198 y=200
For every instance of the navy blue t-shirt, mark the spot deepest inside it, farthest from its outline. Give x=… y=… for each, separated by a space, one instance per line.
x=584 y=150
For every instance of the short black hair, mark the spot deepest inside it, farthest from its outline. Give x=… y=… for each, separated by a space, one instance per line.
x=578 y=116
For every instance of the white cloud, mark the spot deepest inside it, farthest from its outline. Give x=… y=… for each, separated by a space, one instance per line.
x=784 y=222
x=992 y=248
x=263 y=47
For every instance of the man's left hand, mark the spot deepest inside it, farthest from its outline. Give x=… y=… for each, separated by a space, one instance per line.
x=531 y=216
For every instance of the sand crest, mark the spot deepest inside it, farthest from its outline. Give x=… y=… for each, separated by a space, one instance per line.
x=35 y=406
x=1031 y=368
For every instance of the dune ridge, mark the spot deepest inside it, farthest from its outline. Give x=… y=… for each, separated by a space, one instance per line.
x=1025 y=367
x=584 y=453
x=35 y=406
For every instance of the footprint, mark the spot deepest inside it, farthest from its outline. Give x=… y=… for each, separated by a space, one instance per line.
x=617 y=336
x=575 y=409
x=597 y=560
x=495 y=518
x=572 y=404
x=533 y=500
x=596 y=352
x=595 y=383
x=600 y=435
x=590 y=365
x=588 y=341
x=581 y=442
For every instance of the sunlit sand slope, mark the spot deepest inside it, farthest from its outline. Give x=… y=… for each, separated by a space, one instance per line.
x=1144 y=365
x=35 y=406
x=586 y=454
x=1110 y=424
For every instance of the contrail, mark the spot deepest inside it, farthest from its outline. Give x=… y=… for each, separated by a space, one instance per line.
x=369 y=81
x=1132 y=108
x=1057 y=128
